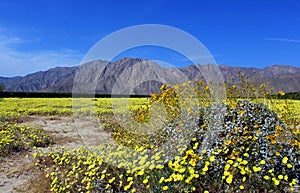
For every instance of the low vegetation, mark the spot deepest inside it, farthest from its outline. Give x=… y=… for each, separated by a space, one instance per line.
x=16 y=138
x=245 y=143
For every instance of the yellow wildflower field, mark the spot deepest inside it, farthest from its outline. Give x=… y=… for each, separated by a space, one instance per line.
x=256 y=146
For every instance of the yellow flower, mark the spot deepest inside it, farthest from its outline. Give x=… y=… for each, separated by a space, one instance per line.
x=159 y=167
x=245 y=162
x=226 y=173
x=111 y=180
x=227 y=166
x=212 y=158
x=140 y=173
x=289 y=165
x=161 y=180
x=152 y=167
x=296 y=131
x=145 y=181
x=243 y=172
x=188 y=180
x=205 y=169
x=106 y=187
x=127 y=187
x=182 y=170
x=196 y=145
x=229 y=179
x=273 y=141
x=206 y=191
x=262 y=162
x=256 y=169
x=266 y=177
x=207 y=163
x=193 y=162
x=242 y=187
x=177 y=177
x=165 y=188
x=168 y=179
x=140 y=149
x=276 y=182
x=284 y=160
x=246 y=154
x=280 y=177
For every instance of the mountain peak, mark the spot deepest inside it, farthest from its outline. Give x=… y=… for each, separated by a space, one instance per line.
x=142 y=75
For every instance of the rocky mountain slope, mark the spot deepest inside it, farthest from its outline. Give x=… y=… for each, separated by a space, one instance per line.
x=139 y=76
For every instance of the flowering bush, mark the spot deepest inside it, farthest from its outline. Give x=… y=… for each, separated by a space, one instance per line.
x=250 y=150
x=253 y=150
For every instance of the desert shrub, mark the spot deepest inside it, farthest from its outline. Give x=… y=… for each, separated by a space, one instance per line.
x=170 y=99
x=246 y=87
x=251 y=150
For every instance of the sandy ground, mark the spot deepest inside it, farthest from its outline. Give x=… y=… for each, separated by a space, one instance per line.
x=67 y=132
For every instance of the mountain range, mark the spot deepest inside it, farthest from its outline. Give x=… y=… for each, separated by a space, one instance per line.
x=142 y=76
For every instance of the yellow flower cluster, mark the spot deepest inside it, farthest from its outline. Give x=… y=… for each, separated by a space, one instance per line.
x=12 y=108
x=14 y=138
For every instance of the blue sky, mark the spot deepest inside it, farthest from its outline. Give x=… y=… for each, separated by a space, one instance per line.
x=41 y=34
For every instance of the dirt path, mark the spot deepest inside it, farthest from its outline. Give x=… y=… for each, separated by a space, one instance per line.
x=16 y=171
x=72 y=133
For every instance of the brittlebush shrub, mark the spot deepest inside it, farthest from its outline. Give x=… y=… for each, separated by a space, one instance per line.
x=250 y=150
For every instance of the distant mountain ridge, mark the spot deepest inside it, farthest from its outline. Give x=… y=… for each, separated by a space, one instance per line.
x=140 y=76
